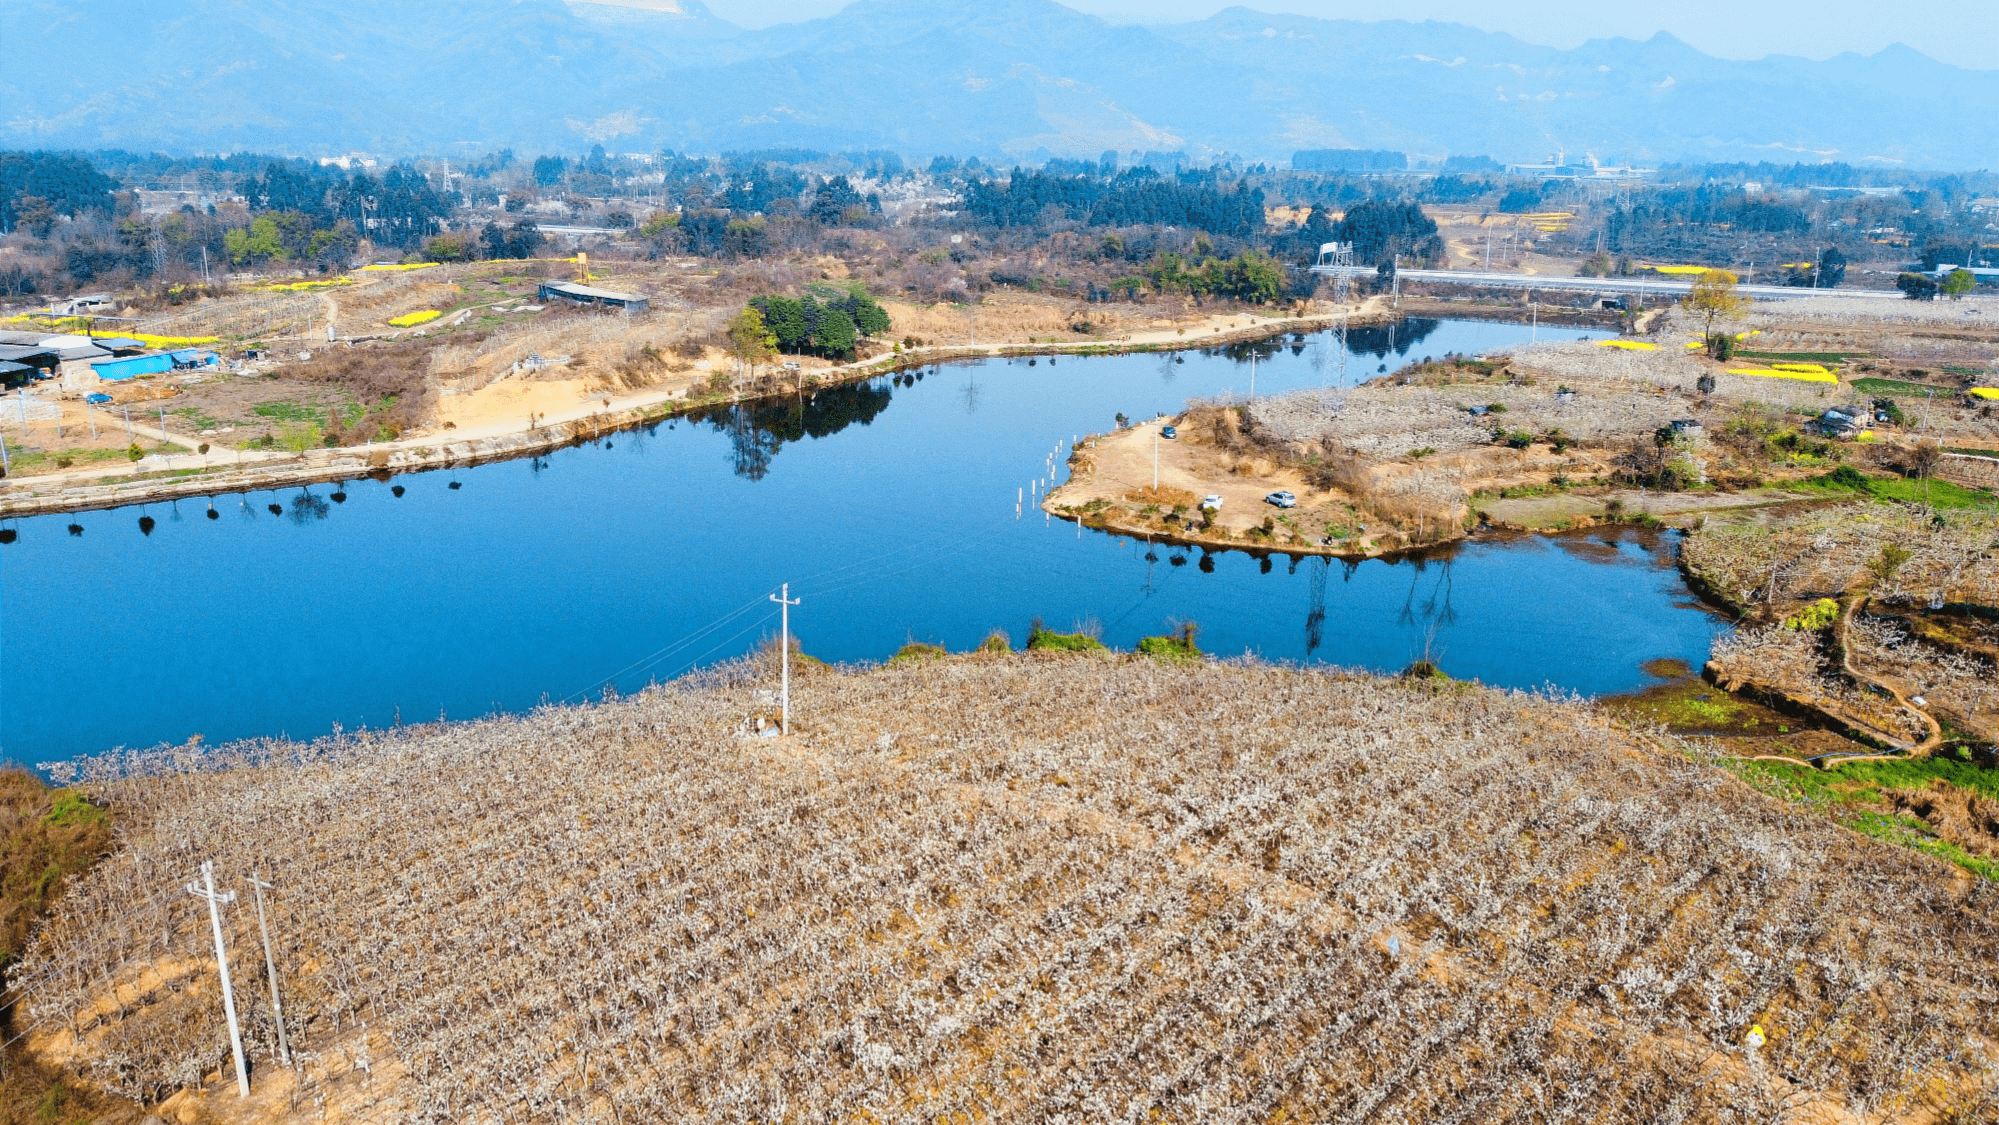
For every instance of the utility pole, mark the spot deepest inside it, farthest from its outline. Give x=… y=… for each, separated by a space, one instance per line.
x=1252 y=375
x=207 y=892
x=784 y=598
x=128 y=424
x=271 y=967
x=1155 y=461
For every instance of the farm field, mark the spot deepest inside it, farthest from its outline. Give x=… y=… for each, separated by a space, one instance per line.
x=1021 y=887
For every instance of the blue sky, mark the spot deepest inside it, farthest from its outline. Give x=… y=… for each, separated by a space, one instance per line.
x=1961 y=32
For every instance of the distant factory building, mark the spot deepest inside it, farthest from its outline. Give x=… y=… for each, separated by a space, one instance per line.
x=575 y=293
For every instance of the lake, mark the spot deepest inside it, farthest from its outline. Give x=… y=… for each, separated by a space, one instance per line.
x=889 y=506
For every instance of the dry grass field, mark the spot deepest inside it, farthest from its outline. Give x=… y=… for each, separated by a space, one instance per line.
x=1022 y=888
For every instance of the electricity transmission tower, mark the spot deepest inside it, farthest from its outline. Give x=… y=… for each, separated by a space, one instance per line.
x=1339 y=256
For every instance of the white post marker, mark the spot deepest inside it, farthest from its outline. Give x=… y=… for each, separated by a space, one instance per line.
x=207 y=891
x=784 y=598
x=271 y=967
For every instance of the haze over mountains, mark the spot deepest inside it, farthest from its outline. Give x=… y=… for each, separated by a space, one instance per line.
x=1004 y=79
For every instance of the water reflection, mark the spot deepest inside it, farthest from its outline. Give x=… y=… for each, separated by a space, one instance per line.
x=1378 y=340
x=756 y=431
x=308 y=506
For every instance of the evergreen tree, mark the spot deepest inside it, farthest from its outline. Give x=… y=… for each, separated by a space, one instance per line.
x=836 y=334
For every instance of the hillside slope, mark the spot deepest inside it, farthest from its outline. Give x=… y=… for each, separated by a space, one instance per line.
x=1009 y=78
x=1026 y=888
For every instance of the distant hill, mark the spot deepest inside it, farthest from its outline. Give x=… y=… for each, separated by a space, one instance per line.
x=1009 y=79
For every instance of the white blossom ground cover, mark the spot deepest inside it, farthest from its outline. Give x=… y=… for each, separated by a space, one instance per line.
x=1031 y=888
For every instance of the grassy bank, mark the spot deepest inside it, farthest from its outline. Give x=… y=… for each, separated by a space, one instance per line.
x=47 y=838
x=1880 y=799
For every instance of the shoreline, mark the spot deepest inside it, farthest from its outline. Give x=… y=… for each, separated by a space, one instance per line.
x=442 y=450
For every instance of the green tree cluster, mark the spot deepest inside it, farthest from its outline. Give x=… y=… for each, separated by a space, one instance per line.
x=1380 y=229
x=1252 y=277
x=291 y=236
x=807 y=326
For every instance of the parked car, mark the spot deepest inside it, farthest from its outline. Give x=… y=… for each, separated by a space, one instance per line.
x=97 y=399
x=1169 y=432
x=1211 y=501
x=1282 y=498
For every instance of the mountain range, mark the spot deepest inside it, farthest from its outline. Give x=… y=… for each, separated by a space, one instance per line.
x=1001 y=79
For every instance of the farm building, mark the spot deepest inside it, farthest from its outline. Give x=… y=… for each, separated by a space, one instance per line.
x=575 y=293
x=115 y=370
x=32 y=355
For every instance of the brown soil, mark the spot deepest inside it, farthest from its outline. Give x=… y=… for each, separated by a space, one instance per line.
x=1111 y=473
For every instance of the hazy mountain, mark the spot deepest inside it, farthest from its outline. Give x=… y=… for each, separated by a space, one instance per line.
x=1002 y=78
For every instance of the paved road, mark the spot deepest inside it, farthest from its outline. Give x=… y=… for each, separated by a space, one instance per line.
x=1659 y=287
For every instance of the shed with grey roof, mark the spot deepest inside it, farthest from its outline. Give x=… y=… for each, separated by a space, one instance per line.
x=580 y=294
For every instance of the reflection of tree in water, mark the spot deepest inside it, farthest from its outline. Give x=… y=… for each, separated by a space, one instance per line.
x=1378 y=340
x=1242 y=351
x=1315 y=618
x=971 y=388
x=756 y=431
x=1437 y=608
x=307 y=507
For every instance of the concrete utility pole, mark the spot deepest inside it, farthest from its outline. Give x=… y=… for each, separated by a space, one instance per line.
x=1155 y=461
x=207 y=892
x=271 y=967
x=784 y=598
x=1252 y=376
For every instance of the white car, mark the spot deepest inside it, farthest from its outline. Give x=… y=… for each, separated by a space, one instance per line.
x=1282 y=499
x=1211 y=501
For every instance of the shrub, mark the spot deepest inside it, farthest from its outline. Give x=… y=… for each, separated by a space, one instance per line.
x=1176 y=647
x=133 y=451
x=916 y=651
x=1168 y=650
x=1818 y=615
x=1040 y=639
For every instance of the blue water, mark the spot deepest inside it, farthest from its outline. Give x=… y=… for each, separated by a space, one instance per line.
x=889 y=508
